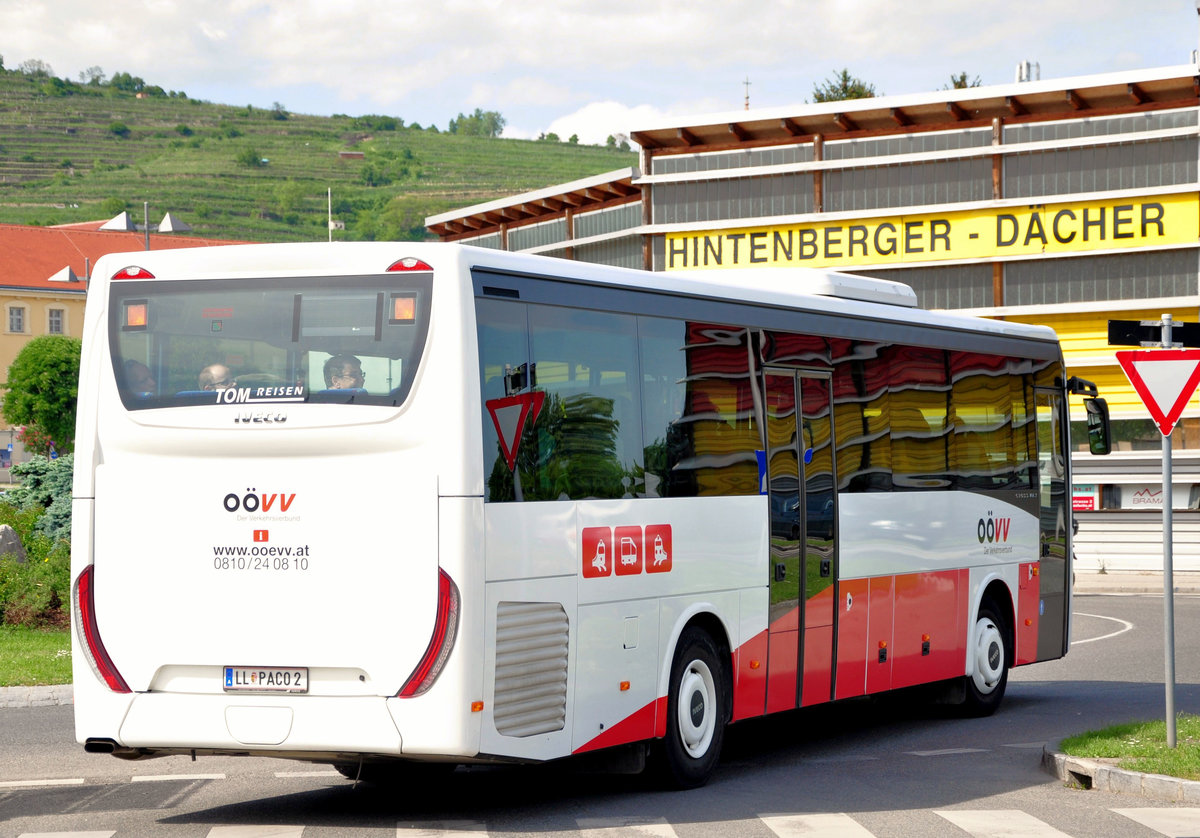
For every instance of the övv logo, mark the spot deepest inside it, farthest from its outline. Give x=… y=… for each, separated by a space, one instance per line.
x=993 y=531
x=254 y=501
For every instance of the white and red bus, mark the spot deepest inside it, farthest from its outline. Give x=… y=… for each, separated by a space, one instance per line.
x=386 y=505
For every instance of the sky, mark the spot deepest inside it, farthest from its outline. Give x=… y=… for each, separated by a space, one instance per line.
x=594 y=68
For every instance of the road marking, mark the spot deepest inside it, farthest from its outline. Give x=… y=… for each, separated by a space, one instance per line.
x=256 y=831
x=434 y=829
x=16 y=784
x=831 y=825
x=618 y=827
x=1125 y=626
x=945 y=752
x=109 y=833
x=1178 y=823
x=158 y=778
x=1000 y=823
x=285 y=774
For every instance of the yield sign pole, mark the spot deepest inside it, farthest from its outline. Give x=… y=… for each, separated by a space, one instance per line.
x=1165 y=380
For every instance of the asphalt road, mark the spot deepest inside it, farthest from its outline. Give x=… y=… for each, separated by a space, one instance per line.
x=893 y=767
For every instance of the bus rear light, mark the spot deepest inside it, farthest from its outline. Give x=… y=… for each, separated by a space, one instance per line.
x=84 y=612
x=440 y=644
x=408 y=264
x=133 y=272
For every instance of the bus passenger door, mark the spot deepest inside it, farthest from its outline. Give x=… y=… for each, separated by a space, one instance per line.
x=801 y=496
x=1047 y=596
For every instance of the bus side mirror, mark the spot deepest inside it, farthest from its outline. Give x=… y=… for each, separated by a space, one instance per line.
x=1098 y=429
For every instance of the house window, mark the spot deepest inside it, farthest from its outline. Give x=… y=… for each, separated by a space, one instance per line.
x=54 y=324
x=16 y=319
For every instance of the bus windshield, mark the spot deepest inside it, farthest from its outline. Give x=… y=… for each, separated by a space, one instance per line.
x=354 y=341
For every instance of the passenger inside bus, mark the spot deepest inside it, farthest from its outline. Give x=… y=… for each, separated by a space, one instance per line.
x=344 y=372
x=139 y=379
x=215 y=377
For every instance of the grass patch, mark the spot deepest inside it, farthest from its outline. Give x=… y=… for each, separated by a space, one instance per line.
x=30 y=657
x=1142 y=746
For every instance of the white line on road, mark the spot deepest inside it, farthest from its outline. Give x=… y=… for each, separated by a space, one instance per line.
x=1177 y=823
x=286 y=774
x=826 y=825
x=1125 y=626
x=1001 y=823
x=16 y=784
x=158 y=778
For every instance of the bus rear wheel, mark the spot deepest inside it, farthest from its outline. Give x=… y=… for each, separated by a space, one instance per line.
x=989 y=652
x=696 y=712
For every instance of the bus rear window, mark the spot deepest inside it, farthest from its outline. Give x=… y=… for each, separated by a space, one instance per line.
x=348 y=340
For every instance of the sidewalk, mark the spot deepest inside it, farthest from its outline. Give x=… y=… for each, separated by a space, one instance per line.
x=36 y=696
x=1135 y=583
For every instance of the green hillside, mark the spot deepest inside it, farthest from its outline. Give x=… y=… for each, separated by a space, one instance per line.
x=71 y=152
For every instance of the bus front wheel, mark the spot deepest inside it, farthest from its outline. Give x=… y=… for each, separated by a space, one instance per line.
x=696 y=712
x=989 y=651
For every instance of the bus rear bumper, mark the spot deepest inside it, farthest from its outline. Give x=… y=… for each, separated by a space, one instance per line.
x=287 y=725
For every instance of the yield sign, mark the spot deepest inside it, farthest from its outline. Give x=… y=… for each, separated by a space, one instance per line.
x=509 y=415
x=1164 y=379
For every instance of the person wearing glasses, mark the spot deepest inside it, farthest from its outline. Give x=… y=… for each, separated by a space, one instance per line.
x=344 y=372
x=215 y=377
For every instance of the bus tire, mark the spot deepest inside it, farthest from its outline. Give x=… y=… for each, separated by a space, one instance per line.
x=989 y=647
x=697 y=709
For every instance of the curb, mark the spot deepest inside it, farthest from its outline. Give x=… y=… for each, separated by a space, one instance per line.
x=59 y=694
x=1081 y=773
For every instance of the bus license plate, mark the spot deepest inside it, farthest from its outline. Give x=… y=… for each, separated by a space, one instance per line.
x=266 y=679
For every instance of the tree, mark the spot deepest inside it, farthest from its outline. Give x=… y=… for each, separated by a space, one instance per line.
x=479 y=124
x=279 y=112
x=958 y=81
x=43 y=387
x=35 y=67
x=841 y=86
x=92 y=75
x=126 y=83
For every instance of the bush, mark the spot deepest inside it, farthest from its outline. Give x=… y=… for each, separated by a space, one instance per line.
x=46 y=485
x=251 y=158
x=37 y=592
x=120 y=129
